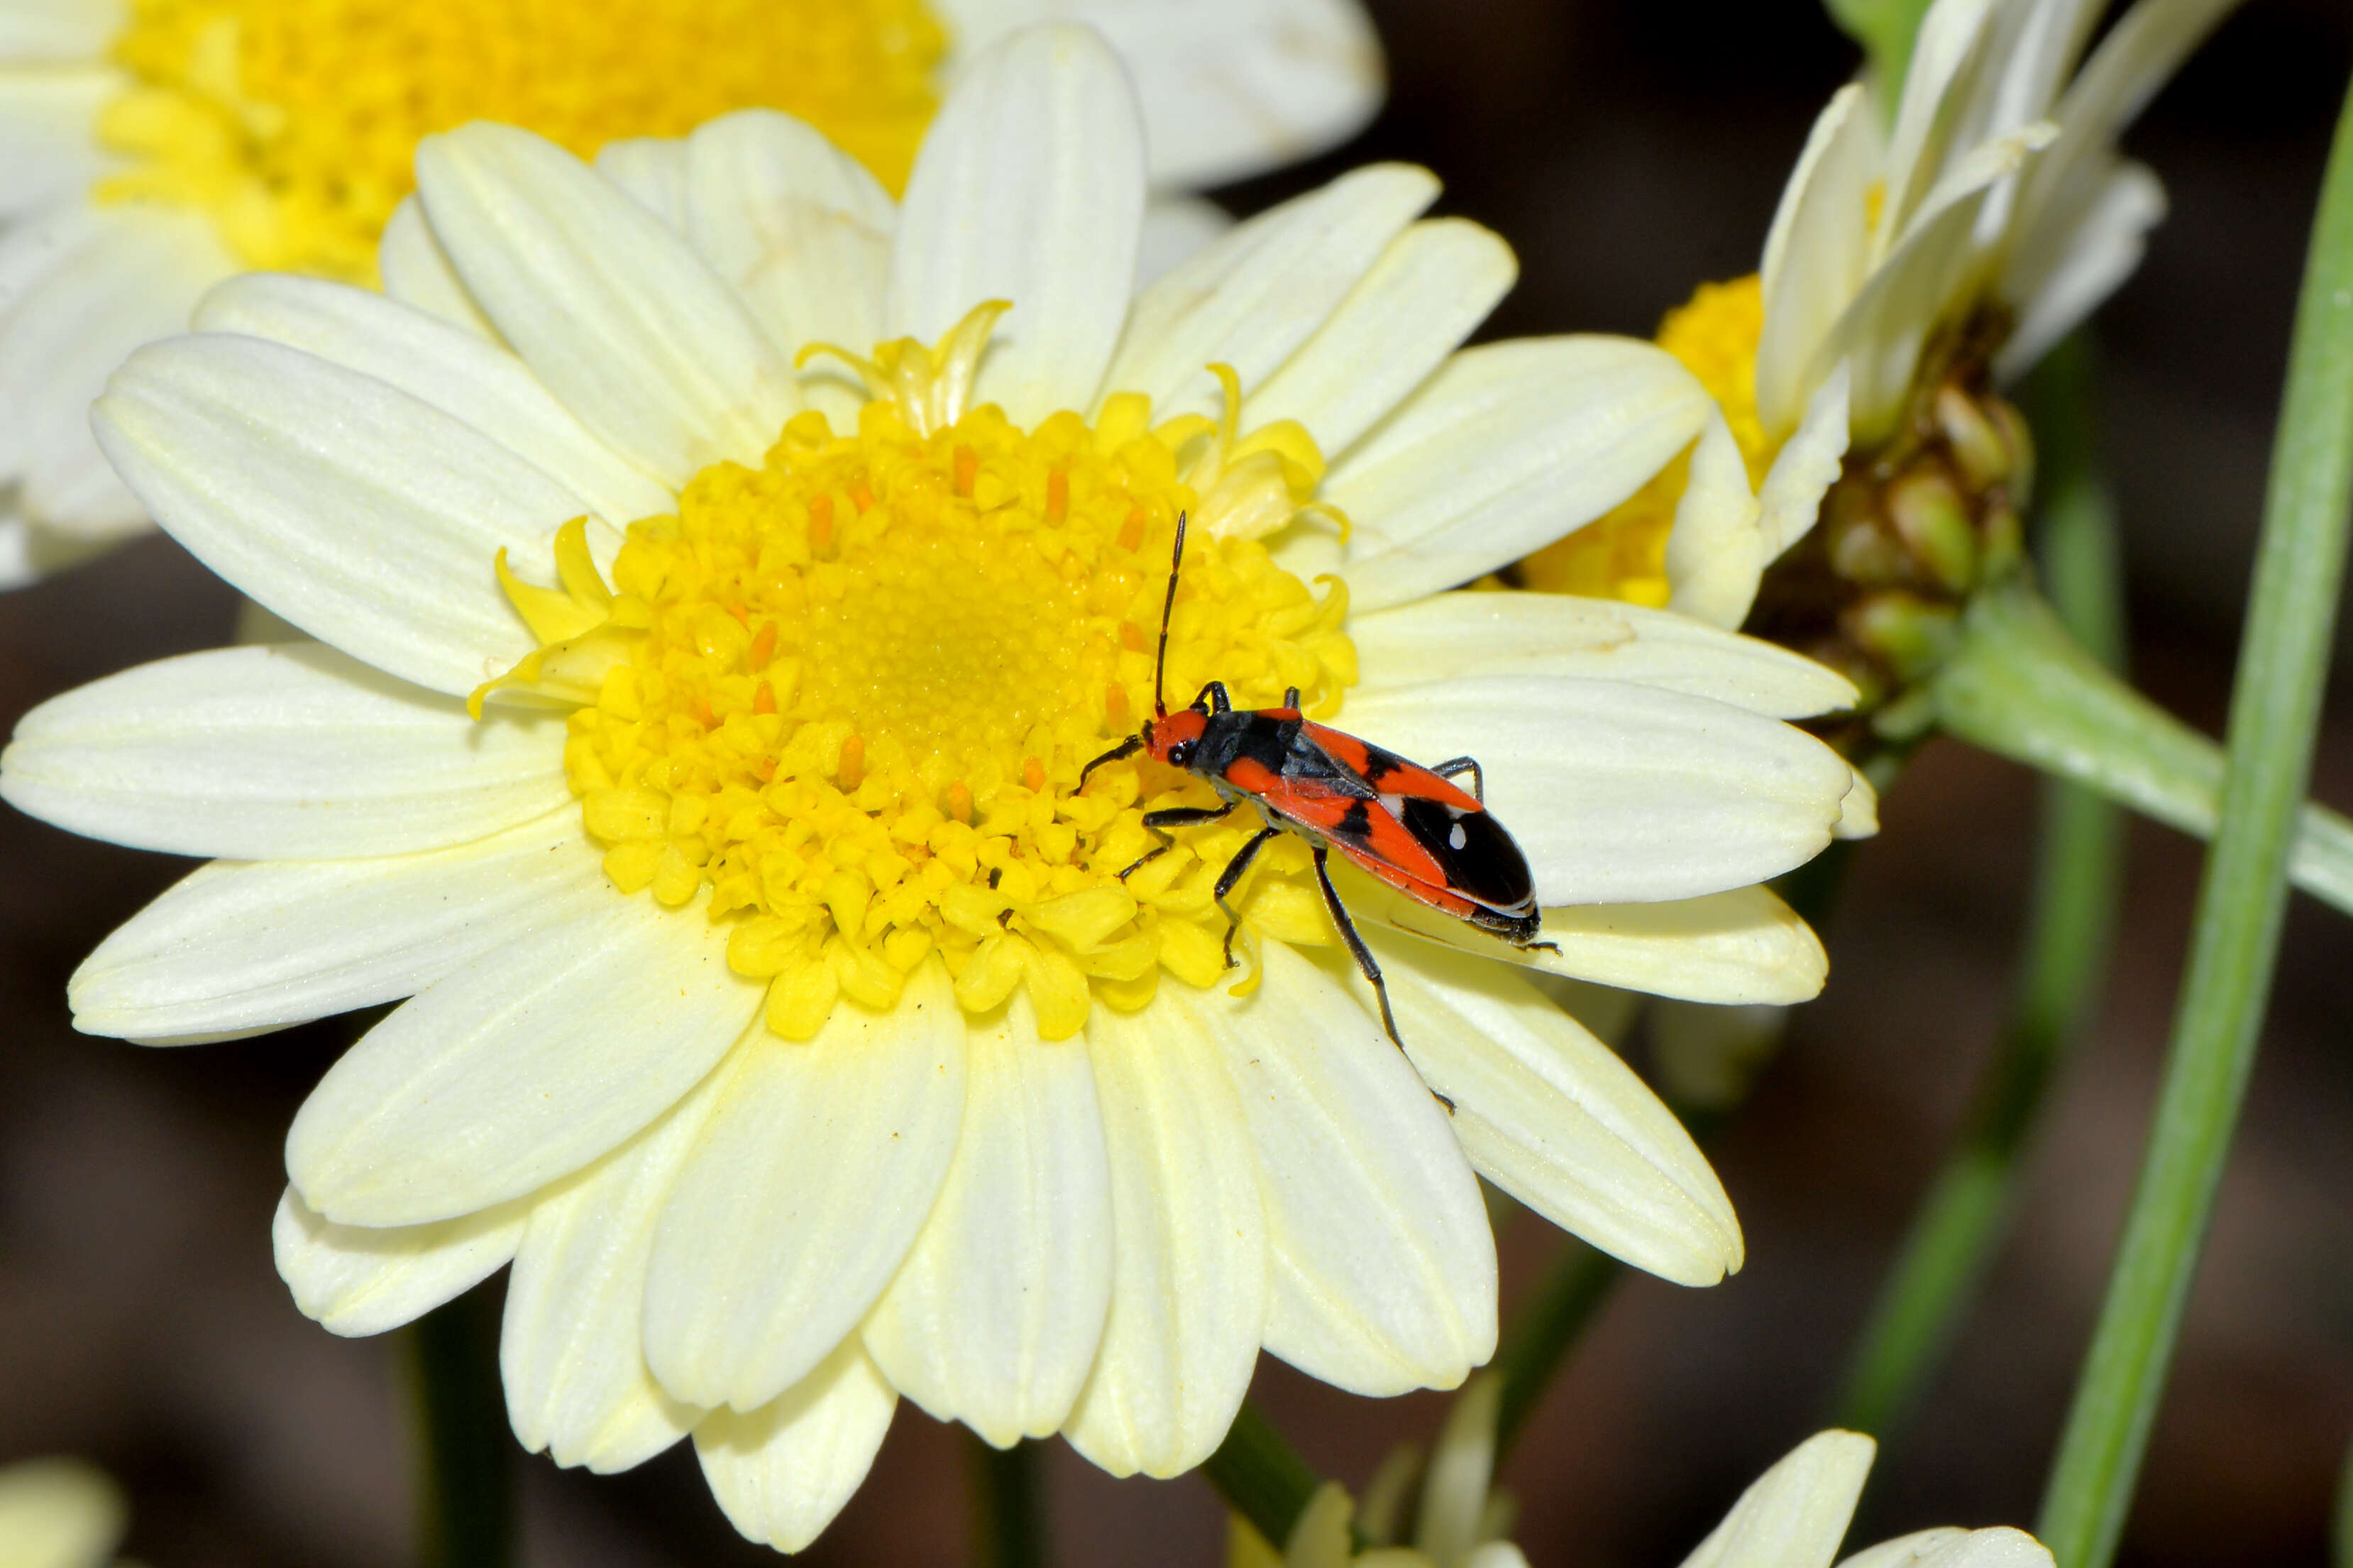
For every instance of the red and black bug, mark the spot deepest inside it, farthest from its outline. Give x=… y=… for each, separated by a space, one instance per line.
x=1405 y=823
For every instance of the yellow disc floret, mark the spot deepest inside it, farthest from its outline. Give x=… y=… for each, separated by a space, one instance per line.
x=841 y=701
x=1622 y=554
x=293 y=122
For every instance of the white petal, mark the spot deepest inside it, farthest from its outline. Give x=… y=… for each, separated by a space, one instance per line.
x=1234 y=88
x=57 y=30
x=292 y=751
x=416 y=271
x=1715 y=553
x=454 y=370
x=816 y=1174
x=1951 y=1548
x=1805 y=469
x=1794 y=1515
x=1948 y=58
x=1382 y=1267
x=241 y=945
x=1859 y=812
x=1818 y=252
x=1505 y=448
x=1913 y=291
x=522 y=1066
x=801 y=231
x=1450 y=635
x=612 y=310
x=362 y=515
x=2138 y=55
x=1029 y=188
x=124 y=280
x=783 y=1472
x=1188 y=1296
x=994 y=1317
x=1176 y=230
x=652 y=169
x=48 y=142
x=1552 y=1116
x=1251 y=299
x=357 y=1279
x=1432 y=287
x=1621 y=794
x=2075 y=259
x=1744 y=945
x=572 y=1346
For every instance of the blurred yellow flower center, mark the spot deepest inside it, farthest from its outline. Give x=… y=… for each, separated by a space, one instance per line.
x=1623 y=555
x=292 y=123
x=850 y=691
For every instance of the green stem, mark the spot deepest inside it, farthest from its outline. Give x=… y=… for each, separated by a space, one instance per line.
x=1009 y=1518
x=2019 y=686
x=1544 y=1330
x=1261 y=1476
x=2341 y=1543
x=2076 y=892
x=2234 y=943
x=465 y=1470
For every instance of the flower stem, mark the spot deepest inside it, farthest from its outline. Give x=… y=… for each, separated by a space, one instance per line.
x=2234 y=943
x=464 y=1464
x=2019 y=686
x=2076 y=892
x=1544 y=1329
x=1261 y=1476
x=1008 y=1517
x=2341 y=1541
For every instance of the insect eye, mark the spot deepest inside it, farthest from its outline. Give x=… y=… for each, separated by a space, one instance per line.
x=1180 y=755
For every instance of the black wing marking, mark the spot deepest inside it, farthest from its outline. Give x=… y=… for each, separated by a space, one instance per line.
x=1479 y=859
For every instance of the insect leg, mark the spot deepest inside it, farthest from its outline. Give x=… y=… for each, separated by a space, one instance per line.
x=1232 y=876
x=1461 y=766
x=1127 y=748
x=1363 y=957
x=1175 y=817
x=1214 y=695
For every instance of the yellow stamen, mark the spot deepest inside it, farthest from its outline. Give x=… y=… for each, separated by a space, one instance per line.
x=861 y=730
x=1622 y=554
x=292 y=123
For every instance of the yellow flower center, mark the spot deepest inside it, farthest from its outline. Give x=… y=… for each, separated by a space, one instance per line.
x=292 y=123
x=850 y=692
x=1622 y=555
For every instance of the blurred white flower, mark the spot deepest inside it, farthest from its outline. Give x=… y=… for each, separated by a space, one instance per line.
x=1793 y=1516
x=778 y=1006
x=154 y=147
x=1796 y=1513
x=60 y=1513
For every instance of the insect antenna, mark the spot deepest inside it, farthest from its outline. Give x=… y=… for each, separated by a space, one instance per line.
x=1168 y=607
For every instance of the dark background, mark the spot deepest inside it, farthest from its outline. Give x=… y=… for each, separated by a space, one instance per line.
x=1629 y=151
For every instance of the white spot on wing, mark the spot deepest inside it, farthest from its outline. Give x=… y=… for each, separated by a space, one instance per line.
x=1455 y=837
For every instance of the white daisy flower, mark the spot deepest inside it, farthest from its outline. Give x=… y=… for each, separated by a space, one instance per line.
x=1924 y=255
x=777 y=1006
x=1796 y=1514
x=151 y=148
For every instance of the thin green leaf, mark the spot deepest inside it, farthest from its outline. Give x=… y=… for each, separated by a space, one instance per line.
x=2234 y=944
x=2019 y=686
